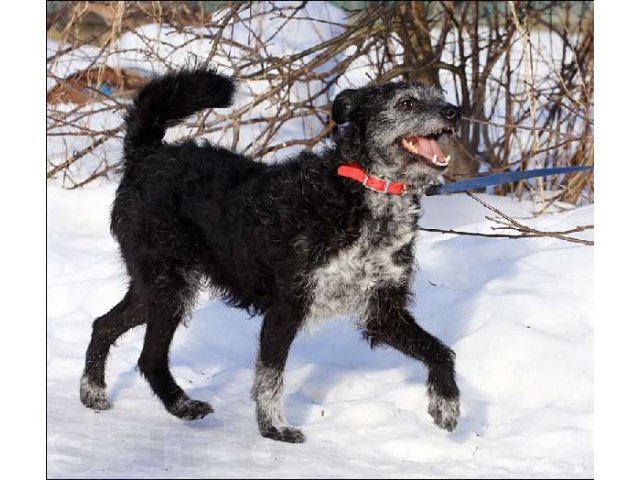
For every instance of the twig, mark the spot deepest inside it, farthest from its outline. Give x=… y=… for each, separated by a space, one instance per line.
x=526 y=231
x=531 y=234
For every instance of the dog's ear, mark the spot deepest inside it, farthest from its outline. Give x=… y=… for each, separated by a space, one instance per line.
x=344 y=106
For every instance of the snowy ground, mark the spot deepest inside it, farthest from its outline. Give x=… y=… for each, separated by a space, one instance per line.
x=517 y=312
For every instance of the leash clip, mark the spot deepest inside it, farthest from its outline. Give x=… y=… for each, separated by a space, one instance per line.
x=423 y=191
x=409 y=189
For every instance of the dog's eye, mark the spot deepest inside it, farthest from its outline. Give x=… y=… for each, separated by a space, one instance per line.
x=405 y=104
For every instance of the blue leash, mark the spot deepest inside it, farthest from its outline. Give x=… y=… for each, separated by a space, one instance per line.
x=500 y=178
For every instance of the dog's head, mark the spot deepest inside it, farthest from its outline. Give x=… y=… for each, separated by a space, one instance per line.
x=397 y=130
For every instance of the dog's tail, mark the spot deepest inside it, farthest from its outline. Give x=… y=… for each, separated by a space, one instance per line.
x=168 y=99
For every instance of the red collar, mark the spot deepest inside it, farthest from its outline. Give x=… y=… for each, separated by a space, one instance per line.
x=355 y=172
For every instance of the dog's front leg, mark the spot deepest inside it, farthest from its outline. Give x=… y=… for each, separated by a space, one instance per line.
x=279 y=328
x=388 y=321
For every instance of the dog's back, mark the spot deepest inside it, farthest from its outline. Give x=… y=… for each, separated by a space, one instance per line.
x=243 y=226
x=165 y=187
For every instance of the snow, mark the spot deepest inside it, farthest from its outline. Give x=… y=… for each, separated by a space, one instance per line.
x=518 y=313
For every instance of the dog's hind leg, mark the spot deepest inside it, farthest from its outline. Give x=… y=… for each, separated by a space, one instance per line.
x=168 y=304
x=279 y=328
x=106 y=330
x=387 y=321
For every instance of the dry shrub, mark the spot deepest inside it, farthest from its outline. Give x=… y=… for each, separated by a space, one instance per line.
x=522 y=71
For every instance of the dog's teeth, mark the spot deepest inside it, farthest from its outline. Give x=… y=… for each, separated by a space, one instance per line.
x=447 y=159
x=435 y=159
x=410 y=146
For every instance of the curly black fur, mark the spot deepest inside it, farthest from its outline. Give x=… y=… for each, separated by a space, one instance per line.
x=292 y=241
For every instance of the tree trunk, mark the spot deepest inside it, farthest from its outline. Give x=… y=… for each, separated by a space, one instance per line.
x=412 y=26
x=413 y=29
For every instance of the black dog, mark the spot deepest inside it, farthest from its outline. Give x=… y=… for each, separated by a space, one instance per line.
x=313 y=237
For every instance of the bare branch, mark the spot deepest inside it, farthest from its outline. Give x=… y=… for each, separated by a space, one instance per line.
x=516 y=116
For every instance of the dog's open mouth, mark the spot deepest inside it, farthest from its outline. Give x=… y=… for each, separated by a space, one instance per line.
x=427 y=149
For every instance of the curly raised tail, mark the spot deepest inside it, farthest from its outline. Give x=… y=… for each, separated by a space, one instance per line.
x=167 y=100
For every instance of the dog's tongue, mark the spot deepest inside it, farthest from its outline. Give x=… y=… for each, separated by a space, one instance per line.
x=427 y=147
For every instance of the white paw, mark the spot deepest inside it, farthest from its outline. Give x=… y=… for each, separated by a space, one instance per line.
x=93 y=396
x=445 y=411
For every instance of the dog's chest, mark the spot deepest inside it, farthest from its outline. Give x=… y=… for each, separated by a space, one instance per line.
x=344 y=284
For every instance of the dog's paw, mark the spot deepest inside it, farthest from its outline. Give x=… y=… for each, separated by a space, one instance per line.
x=188 y=409
x=283 y=434
x=444 y=410
x=93 y=396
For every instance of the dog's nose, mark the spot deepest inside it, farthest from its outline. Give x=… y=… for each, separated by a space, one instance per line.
x=451 y=112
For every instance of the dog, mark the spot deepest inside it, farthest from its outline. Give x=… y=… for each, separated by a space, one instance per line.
x=312 y=237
